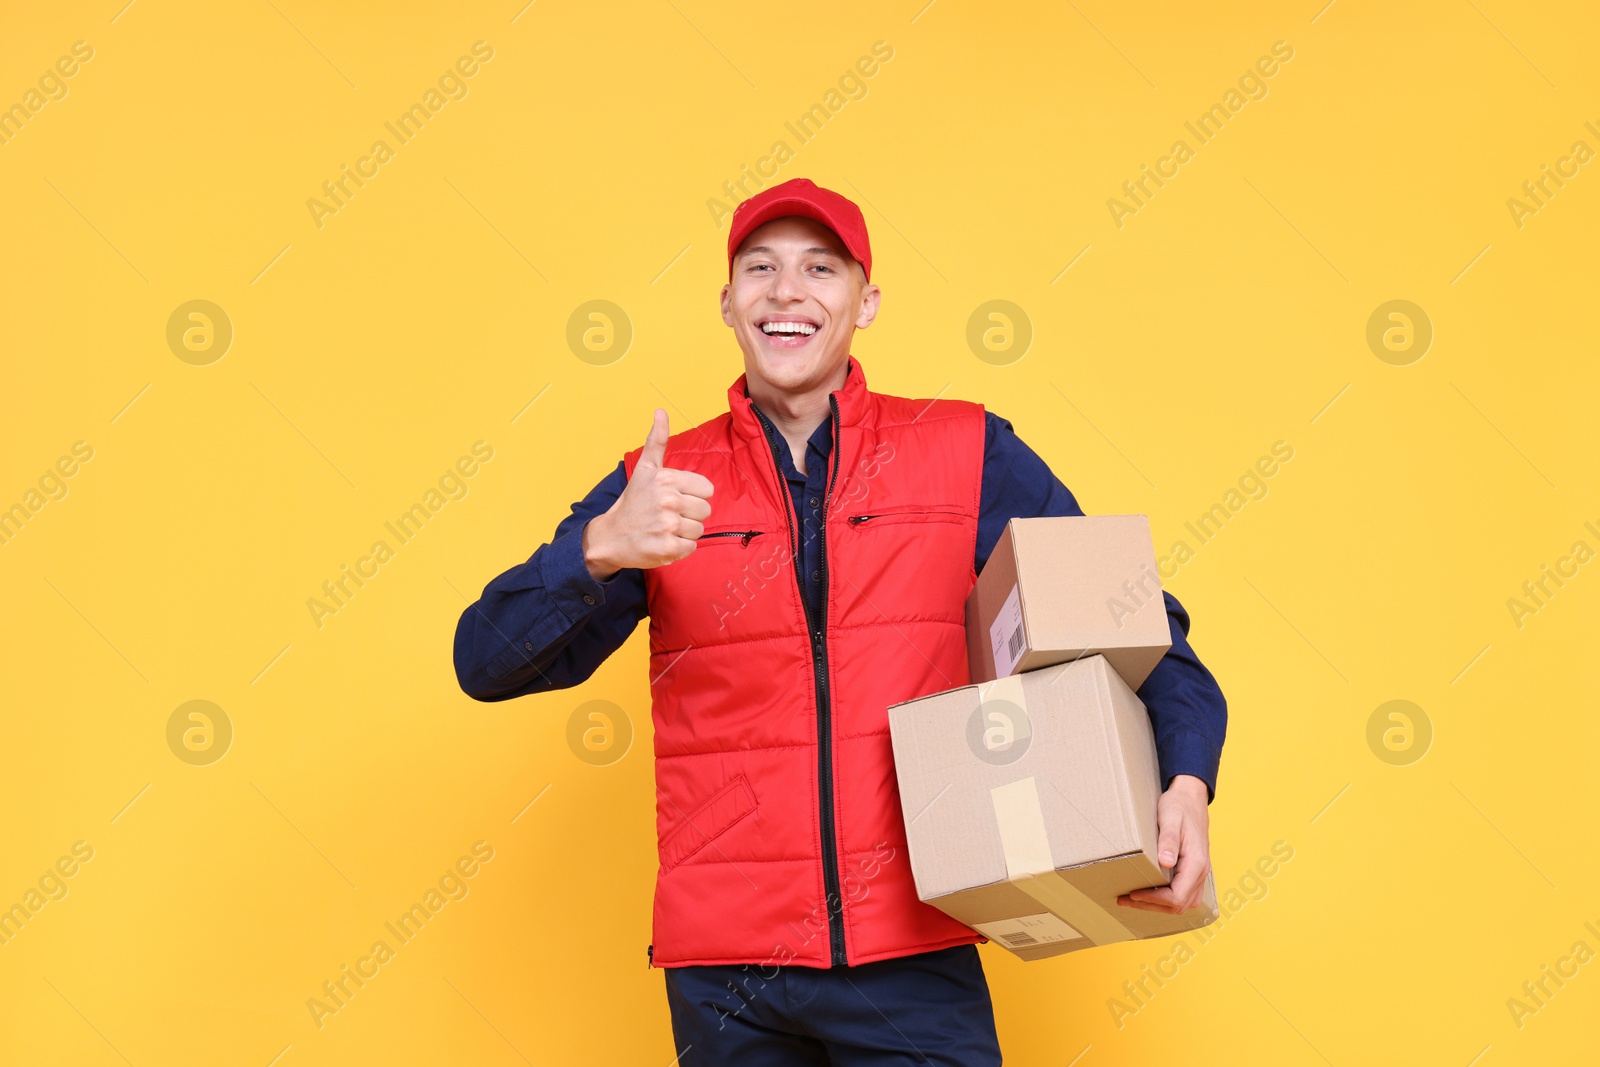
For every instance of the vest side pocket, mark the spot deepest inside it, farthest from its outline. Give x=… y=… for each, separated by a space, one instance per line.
x=707 y=822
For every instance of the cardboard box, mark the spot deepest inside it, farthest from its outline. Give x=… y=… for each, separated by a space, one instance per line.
x=1030 y=806
x=1058 y=589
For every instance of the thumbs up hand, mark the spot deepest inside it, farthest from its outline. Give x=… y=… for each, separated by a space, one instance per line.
x=657 y=519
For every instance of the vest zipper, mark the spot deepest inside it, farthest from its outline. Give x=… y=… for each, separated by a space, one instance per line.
x=743 y=535
x=817 y=622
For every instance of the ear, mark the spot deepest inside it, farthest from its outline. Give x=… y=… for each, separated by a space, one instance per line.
x=869 y=307
x=727 y=304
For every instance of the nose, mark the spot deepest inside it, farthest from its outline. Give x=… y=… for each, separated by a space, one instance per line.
x=786 y=285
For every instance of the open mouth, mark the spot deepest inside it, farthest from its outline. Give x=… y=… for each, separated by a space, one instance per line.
x=788 y=333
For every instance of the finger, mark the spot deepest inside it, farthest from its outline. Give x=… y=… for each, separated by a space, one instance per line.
x=680 y=548
x=690 y=528
x=655 y=444
x=692 y=507
x=1186 y=879
x=1159 y=895
x=1170 y=896
x=693 y=483
x=1197 y=896
x=1167 y=842
x=1145 y=905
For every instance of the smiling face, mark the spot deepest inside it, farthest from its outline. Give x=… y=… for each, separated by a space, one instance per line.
x=796 y=298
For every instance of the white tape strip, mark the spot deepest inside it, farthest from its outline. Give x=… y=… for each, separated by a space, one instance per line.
x=1030 y=867
x=1022 y=833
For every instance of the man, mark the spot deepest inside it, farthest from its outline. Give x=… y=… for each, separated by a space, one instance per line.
x=804 y=560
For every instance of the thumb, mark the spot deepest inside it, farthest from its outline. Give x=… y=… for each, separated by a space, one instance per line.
x=655 y=445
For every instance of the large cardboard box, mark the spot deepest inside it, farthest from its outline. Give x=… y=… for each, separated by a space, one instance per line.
x=1058 y=589
x=1030 y=806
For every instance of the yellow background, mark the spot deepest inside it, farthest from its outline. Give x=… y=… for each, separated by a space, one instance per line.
x=370 y=353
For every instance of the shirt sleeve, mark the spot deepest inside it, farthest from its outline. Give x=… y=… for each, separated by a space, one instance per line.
x=1187 y=709
x=546 y=624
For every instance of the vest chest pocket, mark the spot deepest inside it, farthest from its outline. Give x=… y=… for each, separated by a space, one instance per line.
x=904 y=513
x=700 y=599
x=740 y=535
x=707 y=822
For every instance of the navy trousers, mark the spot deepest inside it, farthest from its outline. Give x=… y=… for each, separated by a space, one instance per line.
x=928 y=1008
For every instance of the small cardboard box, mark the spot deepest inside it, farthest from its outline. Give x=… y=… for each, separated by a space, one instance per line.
x=1030 y=806
x=1057 y=589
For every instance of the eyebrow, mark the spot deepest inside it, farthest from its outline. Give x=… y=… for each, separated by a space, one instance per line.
x=815 y=250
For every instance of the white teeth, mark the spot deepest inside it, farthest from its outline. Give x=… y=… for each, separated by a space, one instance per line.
x=788 y=327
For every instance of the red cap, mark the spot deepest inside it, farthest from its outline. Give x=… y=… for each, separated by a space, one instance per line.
x=802 y=196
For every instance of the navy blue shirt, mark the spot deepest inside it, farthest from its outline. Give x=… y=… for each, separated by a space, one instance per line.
x=807 y=491
x=547 y=624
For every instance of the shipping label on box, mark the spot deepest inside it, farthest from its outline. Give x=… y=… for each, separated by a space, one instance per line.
x=1028 y=931
x=1006 y=636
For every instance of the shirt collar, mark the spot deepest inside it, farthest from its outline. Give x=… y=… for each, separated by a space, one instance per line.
x=818 y=445
x=852 y=399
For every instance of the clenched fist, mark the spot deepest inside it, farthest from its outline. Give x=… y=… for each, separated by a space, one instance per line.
x=657 y=519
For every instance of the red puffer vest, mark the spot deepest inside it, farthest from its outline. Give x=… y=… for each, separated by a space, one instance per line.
x=775 y=783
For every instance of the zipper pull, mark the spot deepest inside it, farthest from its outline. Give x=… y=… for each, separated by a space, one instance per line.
x=857 y=520
x=744 y=542
x=650 y=955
